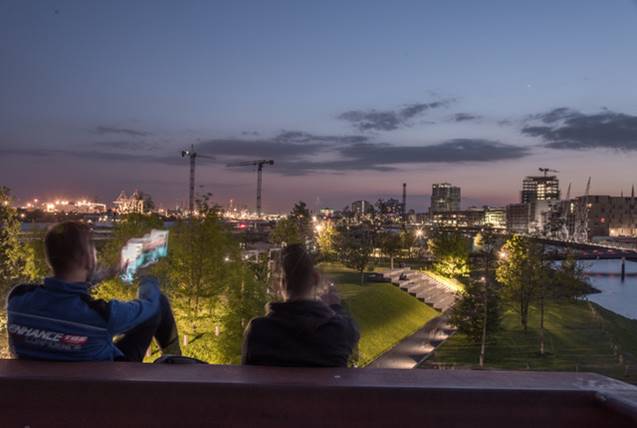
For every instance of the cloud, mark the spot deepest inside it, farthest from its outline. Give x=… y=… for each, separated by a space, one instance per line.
x=389 y=120
x=567 y=129
x=386 y=157
x=104 y=130
x=285 y=145
x=463 y=117
x=95 y=155
x=301 y=153
x=127 y=145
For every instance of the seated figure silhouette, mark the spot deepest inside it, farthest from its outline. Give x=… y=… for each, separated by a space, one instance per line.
x=309 y=329
x=60 y=321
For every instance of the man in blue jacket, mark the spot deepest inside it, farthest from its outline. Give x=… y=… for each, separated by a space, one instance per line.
x=59 y=320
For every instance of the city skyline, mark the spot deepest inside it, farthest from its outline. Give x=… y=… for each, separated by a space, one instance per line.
x=101 y=98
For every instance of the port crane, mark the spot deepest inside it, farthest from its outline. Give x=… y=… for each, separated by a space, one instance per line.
x=547 y=170
x=192 y=155
x=259 y=164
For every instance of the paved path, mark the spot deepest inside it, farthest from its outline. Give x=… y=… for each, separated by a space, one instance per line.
x=412 y=350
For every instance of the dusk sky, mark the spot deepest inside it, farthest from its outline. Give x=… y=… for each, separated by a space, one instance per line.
x=350 y=98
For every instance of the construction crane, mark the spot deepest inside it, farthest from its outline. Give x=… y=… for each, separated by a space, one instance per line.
x=259 y=164
x=547 y=170
x=192 y=155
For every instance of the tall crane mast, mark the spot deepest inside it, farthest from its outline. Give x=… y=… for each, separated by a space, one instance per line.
x=192 y=155
x=259 y=164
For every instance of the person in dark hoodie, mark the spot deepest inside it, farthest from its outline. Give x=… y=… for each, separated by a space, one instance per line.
x=306 y=330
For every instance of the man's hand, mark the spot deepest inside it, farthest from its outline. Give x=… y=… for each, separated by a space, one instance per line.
x=103 y=273
x=330 y=297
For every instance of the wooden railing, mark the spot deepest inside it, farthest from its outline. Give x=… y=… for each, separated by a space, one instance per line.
x=113 y=394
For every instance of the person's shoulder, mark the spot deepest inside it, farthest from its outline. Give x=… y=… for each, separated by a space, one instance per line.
x=257 y=322
x=22 y=289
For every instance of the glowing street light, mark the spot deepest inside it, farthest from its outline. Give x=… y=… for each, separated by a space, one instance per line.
x=503 y=255
x=419 y=233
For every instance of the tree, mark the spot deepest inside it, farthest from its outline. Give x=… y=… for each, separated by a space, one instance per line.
x=16 y=260
x=486 y=246
x=391 y=245
x=354 y=245
x=478 y=312
x=451 y=251
x=296 y=228
x=325 y=235
x=301 y=216
x=286 y=232
x=520 y=270
x=202 y=262
x=243 y=300
x=36 y=244
x=409 y=240
x=566 y=282
x=570 y=279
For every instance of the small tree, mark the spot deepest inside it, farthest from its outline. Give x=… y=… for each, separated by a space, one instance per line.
x=16 y=260
x=451 y=251
x=296 y=228
x=486 y=245
x=354 y=246
x=391 y=245
x=301 y=216
x=287 y=232
x=325 y=235
x=520 y=271
x=478 y=312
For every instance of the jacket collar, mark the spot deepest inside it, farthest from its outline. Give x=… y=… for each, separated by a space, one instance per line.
x=56 y=284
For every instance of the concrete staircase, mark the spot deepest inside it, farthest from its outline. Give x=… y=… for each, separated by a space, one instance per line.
x=424 y=287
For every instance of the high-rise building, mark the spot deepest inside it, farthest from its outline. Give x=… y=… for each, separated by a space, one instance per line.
x=601 y=215
x=362 y=207
x=540 y=188
x=444 y=198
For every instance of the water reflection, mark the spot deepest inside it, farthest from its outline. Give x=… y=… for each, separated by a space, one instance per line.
x=617 y=296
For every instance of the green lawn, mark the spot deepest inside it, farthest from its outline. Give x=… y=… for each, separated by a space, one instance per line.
x=579 y=336
x=385 y=315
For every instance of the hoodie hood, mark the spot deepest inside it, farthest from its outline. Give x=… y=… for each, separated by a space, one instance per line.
x=302 y=315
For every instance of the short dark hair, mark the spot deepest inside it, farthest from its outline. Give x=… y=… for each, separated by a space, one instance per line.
x=298 y=268
x=67 y=244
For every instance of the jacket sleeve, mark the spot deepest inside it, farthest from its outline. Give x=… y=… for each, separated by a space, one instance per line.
x=246 y=346
x=350 y=325
x=124 y=316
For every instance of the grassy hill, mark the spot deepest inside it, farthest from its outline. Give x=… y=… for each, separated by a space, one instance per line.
x=579 y=336
x=385 y=315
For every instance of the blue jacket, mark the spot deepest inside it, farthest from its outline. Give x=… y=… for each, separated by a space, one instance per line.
x=60 y=321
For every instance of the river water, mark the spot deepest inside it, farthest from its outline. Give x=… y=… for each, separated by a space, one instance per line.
x=617 y=296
